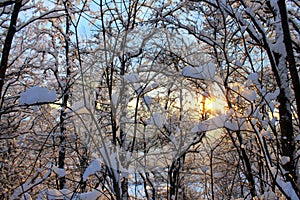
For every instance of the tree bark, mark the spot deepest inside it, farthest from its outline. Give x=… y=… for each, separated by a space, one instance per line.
x=288 y=144
x=65 y=99
x=7 y=47
x=290 y=57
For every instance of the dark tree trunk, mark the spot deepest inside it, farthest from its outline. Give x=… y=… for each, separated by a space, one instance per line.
x=174 y=178
x=7 y=47
x=65 y=98
x=288 y=145
x=290 y=57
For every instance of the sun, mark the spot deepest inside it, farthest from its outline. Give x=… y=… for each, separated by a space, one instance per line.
x=215 y=106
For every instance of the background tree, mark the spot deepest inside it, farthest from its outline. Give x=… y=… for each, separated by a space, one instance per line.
x=149 y=99
x=249 y=40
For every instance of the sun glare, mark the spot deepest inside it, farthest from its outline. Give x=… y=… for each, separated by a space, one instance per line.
x=215 y=106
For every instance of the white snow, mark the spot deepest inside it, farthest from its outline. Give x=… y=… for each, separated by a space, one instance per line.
x=216 y=122
x=278 y=46
x=199 y=127
x=221 y=121
x=79 y=107
x=269 y=195
x=172 y=138
x=253 y=78
x=266 y=134
x=210 y=124
x=94 y=167
x=158 y=119
x=150 y=87
x=148 y=101
x=250 y=95
x=28 y=185
x=131 y=78
x=109 y=158
x=59 y=171
x=204 y=72
x=238 y=63
x=54 y=194
x=94 y=195
x=288 y=188
x=83 y=105
x=26 y=196
x=114 y=99
x=272 y=95
x=285 y=160
x=232 y=125
x=37 y=94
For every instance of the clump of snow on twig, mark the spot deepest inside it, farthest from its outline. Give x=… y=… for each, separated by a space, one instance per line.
x=37 y=94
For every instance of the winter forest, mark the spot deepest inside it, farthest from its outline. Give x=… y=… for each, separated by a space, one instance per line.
x=146 y=99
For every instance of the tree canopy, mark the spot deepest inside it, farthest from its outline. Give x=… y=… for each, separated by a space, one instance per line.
x=142 y=99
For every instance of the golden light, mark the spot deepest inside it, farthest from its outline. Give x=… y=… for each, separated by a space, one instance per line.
x=215 y=106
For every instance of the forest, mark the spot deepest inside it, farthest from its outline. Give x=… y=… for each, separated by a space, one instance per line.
x=149 y=99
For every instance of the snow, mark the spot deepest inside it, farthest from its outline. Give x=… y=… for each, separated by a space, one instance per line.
x=238 y=63
x=28 y=185
x=26 y=196
x=111 y=159
x=94 y=167
x=131 y=78
x=253 y=78
x=243 y=28
x=266 y=134
x=94 y=195
x=221 y=121
x=199 y=127
x=158 y=119
x=216 y=122
x=249 y=95
x=82 y=106
x=54 y=194
x=204 y=168
x=232 y=125
x=285 y=160
x=204 y=72
x=58 y=171
x=172 y=138
x=210 y=124
x=269 y=195
x=150 y=87
x=148 y=101
x=37 y=94
x=278 y=46
x=287 y=188
x=272 y=95
x=114 y=99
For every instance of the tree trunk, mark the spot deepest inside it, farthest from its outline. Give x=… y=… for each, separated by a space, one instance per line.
x=288 y=144
x=65 y=99
x=7 y=47
x=290 y=57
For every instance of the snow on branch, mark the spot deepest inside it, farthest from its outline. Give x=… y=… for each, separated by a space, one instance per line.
x=204 y=72
x=36 y=95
